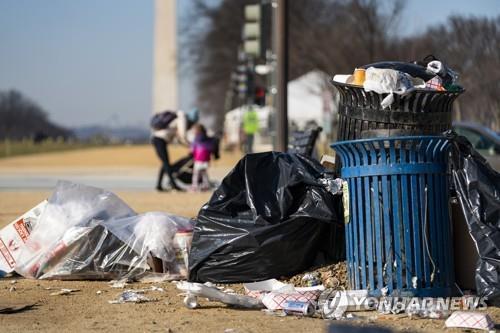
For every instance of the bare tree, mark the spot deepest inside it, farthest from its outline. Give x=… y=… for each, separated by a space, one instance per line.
x=332 y=36
x=471 y=46
x=20 y=118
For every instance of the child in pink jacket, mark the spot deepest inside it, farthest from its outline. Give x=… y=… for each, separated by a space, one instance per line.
x=202 y=148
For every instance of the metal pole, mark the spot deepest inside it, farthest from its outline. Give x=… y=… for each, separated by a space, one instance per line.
x=281 y=26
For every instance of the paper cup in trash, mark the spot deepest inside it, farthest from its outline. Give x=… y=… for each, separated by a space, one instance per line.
x=359 y=76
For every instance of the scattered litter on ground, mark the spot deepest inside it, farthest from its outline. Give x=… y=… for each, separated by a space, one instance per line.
x=98 y=292
x=131 y=296
x=295 y=308
x=276 y=313
x=64 y=291
x=12 y=289
x=118 y=283
x=470 y=319
x=14 y=235
x=194 y=290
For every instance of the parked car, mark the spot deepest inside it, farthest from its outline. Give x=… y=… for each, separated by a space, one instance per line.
x=483 y=139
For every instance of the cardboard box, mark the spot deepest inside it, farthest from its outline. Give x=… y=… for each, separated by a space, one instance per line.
x=15 y=234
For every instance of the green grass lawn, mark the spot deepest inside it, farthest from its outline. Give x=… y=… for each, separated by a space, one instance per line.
x=10 y=148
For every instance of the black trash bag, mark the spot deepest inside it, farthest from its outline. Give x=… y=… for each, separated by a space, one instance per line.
x=405 y=67
x=271 y=217
x=478 y=191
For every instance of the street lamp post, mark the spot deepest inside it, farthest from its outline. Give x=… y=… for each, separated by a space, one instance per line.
x=281 y=28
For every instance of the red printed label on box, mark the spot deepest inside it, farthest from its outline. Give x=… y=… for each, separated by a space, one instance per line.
x=21 y=230
x=6 y=254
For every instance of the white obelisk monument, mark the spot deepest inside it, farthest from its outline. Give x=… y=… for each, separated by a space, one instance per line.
x=165 y=95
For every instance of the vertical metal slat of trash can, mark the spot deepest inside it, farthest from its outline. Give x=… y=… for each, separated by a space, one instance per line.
x=405 y=200
x=423 y=215
x=361 y=218
x=431 y=212
x=386 y=204
x=447 y=232
x=415 y=217
x=377 y=219
x=396 y=218
x=437 y=255
x=369 y=220
x=355 y=221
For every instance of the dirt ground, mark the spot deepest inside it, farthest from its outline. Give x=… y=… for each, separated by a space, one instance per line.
x=89 y=311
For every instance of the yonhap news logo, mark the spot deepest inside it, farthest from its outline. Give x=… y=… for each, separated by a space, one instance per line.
x=336 y=303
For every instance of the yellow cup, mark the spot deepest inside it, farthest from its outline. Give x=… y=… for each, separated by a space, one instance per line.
x=359 y=76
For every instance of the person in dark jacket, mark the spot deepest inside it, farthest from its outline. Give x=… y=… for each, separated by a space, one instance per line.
x=176 y=129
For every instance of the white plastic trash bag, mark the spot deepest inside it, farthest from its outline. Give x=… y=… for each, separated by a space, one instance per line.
x=390 y=81
x=70 y=205
x=155 y=234
x=89 y=233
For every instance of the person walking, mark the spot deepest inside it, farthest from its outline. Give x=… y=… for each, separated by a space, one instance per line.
x=167 y=127
x=250 y=127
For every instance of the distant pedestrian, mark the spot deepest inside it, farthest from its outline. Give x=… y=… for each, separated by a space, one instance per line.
x=250 y=127
x=202 y=147
x=168 y=127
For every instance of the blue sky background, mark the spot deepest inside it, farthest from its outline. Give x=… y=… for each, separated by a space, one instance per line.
x=90 y=61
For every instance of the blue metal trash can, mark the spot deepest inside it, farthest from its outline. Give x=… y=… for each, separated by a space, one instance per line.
x=398 y=234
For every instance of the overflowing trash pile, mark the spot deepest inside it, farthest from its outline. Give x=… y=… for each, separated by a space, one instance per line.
x=401 y=78
x=278 y=221
x=86 y=233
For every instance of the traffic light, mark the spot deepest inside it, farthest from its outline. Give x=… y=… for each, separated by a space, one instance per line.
x=243 y=82
x=257 y=30
x=240 y=77
x=260 y=96
x=252 y=30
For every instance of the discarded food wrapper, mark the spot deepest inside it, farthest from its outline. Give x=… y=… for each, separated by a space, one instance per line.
x=195 y=290
x=436 y=83
x=470 y=319
x=131 y=296
x=15 y=235
x=261 y=288
x=275 y=300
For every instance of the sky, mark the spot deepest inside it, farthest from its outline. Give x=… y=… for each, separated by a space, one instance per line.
x=90 y=62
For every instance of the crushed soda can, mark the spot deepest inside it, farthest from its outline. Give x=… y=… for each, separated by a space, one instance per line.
x=296 y=308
